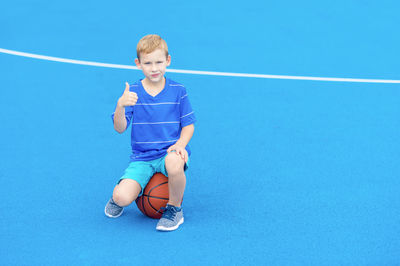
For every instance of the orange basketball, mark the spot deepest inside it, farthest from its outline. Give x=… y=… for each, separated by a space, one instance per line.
x=155 y=195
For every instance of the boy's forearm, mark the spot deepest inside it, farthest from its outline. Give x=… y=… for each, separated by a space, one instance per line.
x=119 y=119
x=186 y=135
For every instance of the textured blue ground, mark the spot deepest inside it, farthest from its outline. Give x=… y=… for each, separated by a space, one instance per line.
x=282 y=172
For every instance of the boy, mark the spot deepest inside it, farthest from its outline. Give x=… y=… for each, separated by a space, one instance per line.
x=162 y=125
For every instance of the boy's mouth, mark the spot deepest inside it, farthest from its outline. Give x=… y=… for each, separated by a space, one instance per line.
x=154 y=75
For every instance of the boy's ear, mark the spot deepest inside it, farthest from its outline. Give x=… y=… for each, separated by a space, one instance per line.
x=168 y=60
x=137 y=62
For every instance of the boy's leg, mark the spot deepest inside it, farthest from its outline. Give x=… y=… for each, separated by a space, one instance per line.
x=129 y=187
x=173 y=214
x=126 y=192
x=174 y=165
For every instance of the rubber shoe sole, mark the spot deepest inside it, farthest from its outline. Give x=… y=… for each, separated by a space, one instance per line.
x=111 y=216
x=163 y=228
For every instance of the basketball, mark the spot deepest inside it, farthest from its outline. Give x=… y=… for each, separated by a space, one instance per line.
x=155 y=195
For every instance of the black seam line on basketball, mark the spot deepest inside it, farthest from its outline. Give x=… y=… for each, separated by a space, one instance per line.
x=148 y=200
x=157 y=187
x=154 y=197
x=148 y=197
x=158 y=211
x=143 y=208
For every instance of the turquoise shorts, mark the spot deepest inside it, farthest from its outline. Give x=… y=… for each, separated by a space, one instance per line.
x=142 y=171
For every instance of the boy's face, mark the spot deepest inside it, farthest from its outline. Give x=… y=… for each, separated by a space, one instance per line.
x=154 y=65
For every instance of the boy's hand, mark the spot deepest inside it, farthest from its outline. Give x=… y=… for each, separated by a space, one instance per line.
x=181 y=151
x=129 y=98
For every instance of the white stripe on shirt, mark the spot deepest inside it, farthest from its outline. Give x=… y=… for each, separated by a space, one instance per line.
x=187 y=115
x=151 y=142
x=157 y=103
x=156 y=123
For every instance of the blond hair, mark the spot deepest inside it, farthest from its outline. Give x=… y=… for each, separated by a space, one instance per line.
x=149 y=44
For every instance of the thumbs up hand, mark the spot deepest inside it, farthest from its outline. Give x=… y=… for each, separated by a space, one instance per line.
x=129 y=98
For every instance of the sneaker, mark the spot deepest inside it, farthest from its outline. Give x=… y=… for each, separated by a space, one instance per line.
x=171 y=219
x=112 y=209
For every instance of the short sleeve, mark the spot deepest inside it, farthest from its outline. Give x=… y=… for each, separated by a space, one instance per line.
x=187 y=114
x=128 y=115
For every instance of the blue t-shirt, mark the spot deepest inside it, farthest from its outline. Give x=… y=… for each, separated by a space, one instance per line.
x=157 y=121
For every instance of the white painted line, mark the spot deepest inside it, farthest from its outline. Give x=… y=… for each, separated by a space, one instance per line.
x=65 y=60
x=196 y=72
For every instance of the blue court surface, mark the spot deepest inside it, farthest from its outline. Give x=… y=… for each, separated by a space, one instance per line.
x=283 y=172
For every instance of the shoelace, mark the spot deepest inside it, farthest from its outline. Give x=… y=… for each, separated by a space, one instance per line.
x=169 y=213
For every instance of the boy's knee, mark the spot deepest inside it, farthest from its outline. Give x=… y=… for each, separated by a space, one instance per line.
x=126 y=192
x=174 y=164
x=121 y=198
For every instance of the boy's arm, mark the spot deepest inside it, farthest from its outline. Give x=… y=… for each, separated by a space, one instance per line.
x=186 y=135
x=180 y=145
x=119 y=119
x=127 y=99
